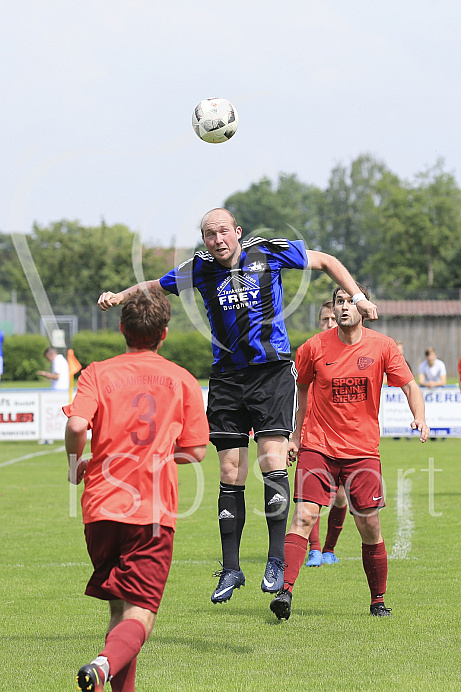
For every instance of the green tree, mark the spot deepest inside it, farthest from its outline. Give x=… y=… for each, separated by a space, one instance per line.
x=286 y=209
x=420 y=236
x=351 y=212
x=76 y=263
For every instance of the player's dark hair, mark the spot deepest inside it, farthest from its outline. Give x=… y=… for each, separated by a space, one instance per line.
x=327 y=305
x=49 y=349
x=205 y=216
x=145 y=315
x=362 y=289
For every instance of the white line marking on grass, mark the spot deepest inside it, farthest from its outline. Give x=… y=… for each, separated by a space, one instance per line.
x=56 y=564
x=32 y=456
x=390 y=557
x=405 y=524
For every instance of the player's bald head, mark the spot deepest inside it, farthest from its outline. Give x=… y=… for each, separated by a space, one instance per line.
x=218 y=212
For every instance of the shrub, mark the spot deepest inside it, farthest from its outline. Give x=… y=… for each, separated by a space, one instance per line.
x=94 y=346
x=23 y=356
x=190 y=350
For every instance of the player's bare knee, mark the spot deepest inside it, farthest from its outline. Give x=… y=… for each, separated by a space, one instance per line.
x=369 y=525
x=305 y=516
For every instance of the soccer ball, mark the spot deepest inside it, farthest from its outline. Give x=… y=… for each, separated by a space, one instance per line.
x=215 y=120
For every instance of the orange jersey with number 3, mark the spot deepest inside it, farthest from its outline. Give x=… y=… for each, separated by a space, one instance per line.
x=345 y=390
x=137 y=406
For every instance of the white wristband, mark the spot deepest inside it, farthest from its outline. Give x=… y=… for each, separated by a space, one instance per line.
x=357 y=297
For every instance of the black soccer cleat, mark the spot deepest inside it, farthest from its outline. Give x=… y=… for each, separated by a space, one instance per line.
x=90 y=678
x=281 y=605
x=379 y=610
x=273 y=576
x=229 y=579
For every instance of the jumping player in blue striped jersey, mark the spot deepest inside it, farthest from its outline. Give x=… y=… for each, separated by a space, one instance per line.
x=253 y=379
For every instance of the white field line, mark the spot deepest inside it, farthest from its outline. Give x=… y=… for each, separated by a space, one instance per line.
x=88 y=564
x=405 y=525
x=32 y=456
x=53 y=565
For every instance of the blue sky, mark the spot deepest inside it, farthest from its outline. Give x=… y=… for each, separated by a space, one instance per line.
x=97 y=98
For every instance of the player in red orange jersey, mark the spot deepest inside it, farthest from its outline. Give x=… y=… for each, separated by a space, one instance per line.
x=146 y=415
x=337 y=514
x=343 y=370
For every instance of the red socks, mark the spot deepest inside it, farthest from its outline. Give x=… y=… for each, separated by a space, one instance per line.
x=335 y=526
x=125 y=679
x=123 y=644
x=295 y=553
x=374 y=559
x=314 y=536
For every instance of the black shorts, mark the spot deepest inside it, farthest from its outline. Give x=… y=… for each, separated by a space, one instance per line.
x=260 y=397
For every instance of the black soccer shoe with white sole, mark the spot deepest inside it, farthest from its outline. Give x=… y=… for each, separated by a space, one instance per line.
x=379 y=610
x=281 y=605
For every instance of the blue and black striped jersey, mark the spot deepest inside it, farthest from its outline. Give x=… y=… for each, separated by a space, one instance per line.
x=243 y=304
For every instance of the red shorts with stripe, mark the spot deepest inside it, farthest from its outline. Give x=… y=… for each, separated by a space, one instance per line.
x=317 y=479
x=130 y=562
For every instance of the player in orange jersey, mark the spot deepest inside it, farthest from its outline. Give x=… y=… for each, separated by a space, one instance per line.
x=337 y=514
x=343 y=370
x=146 y=415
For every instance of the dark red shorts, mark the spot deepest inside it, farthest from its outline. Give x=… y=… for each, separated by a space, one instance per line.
x=130 y=562
x=317 y=479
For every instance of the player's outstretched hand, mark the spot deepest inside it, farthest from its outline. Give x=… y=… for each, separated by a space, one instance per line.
x=424 y=429
x=367 y=309
x=292 y=453
x=109 y=300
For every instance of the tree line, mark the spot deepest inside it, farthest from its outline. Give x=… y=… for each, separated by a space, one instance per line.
x=401 y=238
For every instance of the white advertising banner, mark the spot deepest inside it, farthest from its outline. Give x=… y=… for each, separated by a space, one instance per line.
x=32 y=414
x=443 y=412
x=37 y=414
x=52 y=419
x=19 y=415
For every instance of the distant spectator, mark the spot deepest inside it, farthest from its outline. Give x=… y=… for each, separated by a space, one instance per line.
x=432 y=371
x=459 y=370
x=1 y=355
x=401 y=349
x=59 y=375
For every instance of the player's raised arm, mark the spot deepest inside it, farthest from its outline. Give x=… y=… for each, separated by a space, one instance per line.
x=110 y=300
x=416 y=404
x=338 y=272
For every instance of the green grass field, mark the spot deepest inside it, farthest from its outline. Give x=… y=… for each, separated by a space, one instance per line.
x=48 y=628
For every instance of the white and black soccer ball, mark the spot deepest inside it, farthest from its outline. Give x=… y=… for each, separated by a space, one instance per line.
x=215 y=120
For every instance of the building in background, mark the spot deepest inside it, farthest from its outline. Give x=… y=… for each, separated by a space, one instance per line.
x=423 y=323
